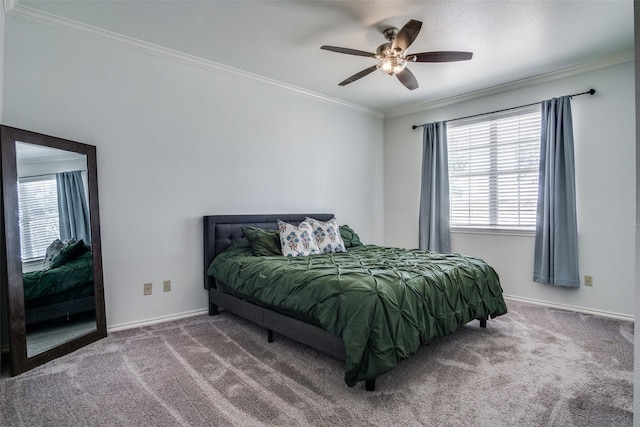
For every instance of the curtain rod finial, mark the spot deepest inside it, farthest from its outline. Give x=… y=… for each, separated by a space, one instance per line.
x=591 y=91
x=414 y=127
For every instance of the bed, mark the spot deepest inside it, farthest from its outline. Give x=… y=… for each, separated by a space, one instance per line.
x=63 y=289
x=370 y=306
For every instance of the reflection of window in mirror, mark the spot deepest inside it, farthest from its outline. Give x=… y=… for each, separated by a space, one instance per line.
x=38 y=192
x=39 y=221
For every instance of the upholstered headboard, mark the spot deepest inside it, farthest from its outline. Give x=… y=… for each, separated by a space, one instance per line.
x=220 y=231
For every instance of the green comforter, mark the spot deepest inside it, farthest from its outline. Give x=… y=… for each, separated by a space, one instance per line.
x=61 y=280
x=383 y=302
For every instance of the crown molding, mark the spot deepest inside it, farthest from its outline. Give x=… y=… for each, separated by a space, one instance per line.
x=609 y=61
x=13 y=8
x=8 y=5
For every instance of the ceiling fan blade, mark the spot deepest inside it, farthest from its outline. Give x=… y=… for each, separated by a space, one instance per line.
x=348 y=51
x=406 y=35
x=359 y=75
x=407 y=78
x=443 y=56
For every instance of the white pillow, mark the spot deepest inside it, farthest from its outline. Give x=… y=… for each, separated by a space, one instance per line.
x=327 y=235
x=297 y=241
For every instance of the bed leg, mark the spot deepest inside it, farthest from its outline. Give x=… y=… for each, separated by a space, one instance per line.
x=370 y=385
x=213 y=309
x=483 y=323
x=269 y=335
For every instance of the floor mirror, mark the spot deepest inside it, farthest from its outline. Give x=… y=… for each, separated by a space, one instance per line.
x=52 y=259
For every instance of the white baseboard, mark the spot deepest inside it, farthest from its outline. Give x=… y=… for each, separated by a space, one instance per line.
x=155 y=320
x=577 y=309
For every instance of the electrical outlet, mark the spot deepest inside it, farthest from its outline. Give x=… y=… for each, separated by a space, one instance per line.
x=166 y=285
x=148 y=288
x=588 y=280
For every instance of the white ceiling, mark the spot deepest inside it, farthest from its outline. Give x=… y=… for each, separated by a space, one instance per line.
x=280 y=40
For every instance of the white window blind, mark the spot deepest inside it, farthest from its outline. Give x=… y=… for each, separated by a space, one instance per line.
x=39 y=225
x=493 y=170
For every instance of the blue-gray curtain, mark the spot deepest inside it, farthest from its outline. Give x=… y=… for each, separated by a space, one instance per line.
x=72 y=207
x=556 y=244
x=434 y=230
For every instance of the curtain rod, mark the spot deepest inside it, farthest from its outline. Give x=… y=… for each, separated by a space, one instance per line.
x=590 y=92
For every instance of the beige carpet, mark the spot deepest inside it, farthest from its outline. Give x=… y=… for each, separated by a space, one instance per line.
x=531 y=367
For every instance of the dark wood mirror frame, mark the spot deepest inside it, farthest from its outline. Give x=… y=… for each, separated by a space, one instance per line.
x=12 y=272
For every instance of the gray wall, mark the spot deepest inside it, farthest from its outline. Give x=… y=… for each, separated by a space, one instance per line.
x=176 y=141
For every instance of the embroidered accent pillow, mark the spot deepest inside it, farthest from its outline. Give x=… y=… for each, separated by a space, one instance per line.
x=54 y=250
x=70 y=252
x=297 y=241
x=327 y=235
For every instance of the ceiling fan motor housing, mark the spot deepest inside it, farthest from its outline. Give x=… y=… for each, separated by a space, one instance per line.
x=384 y=50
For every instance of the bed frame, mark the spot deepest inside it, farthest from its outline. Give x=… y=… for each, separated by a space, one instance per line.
x=61 y=309
x=222 y=230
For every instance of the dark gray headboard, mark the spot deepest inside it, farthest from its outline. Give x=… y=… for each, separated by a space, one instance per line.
x=222 y=230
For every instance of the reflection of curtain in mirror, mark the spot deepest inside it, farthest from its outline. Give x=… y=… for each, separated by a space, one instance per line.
x=72 y=207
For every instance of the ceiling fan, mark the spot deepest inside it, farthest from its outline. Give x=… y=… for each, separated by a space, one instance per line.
x=393 y=58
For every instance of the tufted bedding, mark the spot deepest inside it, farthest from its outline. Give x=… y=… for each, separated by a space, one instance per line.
x=384 y=303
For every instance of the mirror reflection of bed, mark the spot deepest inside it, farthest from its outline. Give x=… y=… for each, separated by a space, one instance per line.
x=55 y=236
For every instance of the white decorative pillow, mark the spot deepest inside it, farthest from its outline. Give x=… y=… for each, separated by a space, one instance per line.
x=327 y=235
x=54 y=249
x=297 y=241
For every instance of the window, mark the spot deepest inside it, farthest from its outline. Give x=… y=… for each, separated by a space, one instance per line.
x=493 y=170
x=38 y=199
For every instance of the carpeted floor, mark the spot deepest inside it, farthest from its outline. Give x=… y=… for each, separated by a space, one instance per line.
x=532 y=367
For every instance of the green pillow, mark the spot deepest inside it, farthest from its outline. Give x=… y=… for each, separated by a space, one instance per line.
x=263 y=242
x=350 y=238
x=70 y=252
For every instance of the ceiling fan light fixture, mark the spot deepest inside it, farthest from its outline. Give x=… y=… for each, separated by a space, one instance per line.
x=392 y=65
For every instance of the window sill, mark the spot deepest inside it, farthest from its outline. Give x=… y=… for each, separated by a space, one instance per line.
x=32 y=265
x=493 y=231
